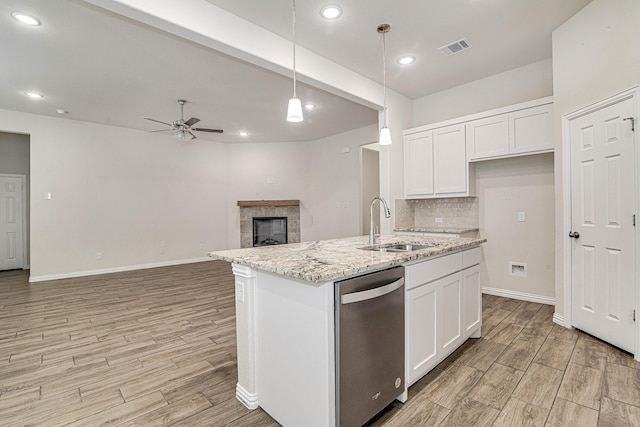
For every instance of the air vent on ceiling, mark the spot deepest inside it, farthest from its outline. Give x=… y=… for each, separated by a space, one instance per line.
x=455 y=47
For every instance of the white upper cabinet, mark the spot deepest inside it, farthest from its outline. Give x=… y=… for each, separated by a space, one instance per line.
x=449 y=161
x=516 y=133
x=531 y=130
x=488 y=137
x=418 y=161
x=435 y=163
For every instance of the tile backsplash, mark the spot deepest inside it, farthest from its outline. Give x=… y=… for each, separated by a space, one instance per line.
x=456 y=212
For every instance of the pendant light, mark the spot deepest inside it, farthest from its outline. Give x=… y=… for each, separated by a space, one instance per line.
x=294 y=112
x=385 y=134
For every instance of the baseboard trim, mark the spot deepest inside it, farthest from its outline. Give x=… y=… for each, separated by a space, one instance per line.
x=559 y=319
x=47 y=277
x=250 y=400
x=519 y=295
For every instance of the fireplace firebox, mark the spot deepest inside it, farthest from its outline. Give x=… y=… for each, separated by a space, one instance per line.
x=270 y=231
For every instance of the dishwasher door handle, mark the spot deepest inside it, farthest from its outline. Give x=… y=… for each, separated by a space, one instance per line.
x=372 y=293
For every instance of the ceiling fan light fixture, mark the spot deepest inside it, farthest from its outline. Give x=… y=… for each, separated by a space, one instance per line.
x=183 y=135
x=294 y=110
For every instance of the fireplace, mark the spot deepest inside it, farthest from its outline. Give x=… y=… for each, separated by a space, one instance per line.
x=269 y=209
x=270 y=230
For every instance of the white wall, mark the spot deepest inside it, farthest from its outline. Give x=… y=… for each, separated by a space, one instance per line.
x=14 y=159
x=333 y=204
x=119 y=192
x=595 y=55
x=504 y=188
x=511 y=87
x=500 y=190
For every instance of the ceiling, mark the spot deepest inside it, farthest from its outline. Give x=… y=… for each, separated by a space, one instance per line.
x=107 y=68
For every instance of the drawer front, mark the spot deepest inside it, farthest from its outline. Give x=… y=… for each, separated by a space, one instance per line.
x=471 y=257
x=428 y=271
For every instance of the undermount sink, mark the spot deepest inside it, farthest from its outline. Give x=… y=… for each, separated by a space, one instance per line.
x=401 y=247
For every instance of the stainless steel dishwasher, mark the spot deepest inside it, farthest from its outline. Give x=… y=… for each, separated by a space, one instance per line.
x=369 y=344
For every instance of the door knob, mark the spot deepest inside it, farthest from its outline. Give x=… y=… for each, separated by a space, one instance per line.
x=574 y=234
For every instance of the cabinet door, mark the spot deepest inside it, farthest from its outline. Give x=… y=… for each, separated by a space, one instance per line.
x=449 y=160
x=418 y=165
x=422 y=348
x=488 y=137
x=471 y=302
x=531 y=129
x=451 y=313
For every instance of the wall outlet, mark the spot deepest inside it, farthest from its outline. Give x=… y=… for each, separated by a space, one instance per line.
x=518 y=269
x=438 y=219
x=98 y=255
x=521 y=217
x=201 y=246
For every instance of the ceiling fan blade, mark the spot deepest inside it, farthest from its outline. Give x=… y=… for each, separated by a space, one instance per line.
x=192 y=121
x=158 y=121
x=208 y=130
x=194 y=137
x=161 y=130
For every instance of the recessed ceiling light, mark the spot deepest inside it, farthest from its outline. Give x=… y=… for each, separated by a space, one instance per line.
x=331 y=11
x=34 y=95
x=406 y=60
x=309 y=106
x=61 y=111
x=25 y=19
x=243 y=133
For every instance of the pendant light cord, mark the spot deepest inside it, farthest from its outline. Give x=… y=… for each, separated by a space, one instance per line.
x=384 y=75
x=294 y=48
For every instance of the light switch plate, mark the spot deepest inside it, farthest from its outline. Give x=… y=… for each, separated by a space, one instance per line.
x=521 y=217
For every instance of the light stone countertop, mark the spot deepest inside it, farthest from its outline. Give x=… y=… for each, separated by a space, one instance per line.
x=331 y=260
x=449 y=230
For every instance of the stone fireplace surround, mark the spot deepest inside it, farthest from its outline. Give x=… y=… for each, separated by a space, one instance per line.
x=268 y=208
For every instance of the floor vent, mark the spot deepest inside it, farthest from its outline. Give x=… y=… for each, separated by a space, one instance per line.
x=459 y=46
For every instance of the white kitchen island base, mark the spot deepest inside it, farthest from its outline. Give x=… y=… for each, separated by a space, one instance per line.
x=285 y=325
x=294 y=352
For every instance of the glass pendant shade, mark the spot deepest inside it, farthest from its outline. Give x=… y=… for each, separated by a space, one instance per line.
x=183 y=135
x=294 y=112
x=385 y=136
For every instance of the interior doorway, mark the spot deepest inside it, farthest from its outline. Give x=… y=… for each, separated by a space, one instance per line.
x=370 y=184
x=15 y=170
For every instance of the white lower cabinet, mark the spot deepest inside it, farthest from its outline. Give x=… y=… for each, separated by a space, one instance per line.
x=443 y=309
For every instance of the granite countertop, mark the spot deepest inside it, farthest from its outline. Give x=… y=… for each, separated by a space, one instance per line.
x=330 y=260
x=450 y=230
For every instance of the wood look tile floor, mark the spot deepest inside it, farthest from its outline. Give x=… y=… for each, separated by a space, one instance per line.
x=157 y=347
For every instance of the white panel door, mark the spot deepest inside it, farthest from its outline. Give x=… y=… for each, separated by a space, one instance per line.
x=11 y=245
x=603 y=251
x=418 y=164
x=450 y=160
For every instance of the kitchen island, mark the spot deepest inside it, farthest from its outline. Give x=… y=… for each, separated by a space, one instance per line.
x=285 y=315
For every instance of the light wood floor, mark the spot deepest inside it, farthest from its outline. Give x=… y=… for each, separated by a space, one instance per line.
x=157 y=347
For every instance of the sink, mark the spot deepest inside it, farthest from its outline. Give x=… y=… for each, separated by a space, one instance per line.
x=401 y=247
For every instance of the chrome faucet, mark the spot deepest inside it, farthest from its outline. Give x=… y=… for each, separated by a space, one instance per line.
x=387 y=214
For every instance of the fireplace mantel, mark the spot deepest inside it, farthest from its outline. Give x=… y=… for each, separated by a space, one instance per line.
x=261 y=203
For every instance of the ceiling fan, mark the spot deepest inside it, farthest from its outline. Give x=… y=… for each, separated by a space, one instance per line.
x=183 y=129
